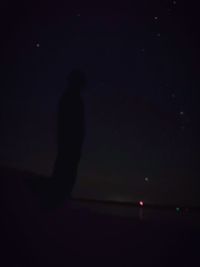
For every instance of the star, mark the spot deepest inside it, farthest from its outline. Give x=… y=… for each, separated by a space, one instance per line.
x=155 y=17
x=181 y=113
x=78 y=15
x=146 y=179
x=158 y=34
x=37 y=45
x=174 y=2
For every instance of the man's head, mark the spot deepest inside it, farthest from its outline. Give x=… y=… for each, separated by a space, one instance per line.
x=76 y=80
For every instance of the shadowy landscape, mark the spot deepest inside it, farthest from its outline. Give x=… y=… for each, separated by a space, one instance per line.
x=75 y=235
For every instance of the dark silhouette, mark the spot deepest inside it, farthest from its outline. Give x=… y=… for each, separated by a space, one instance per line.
x=70 y=134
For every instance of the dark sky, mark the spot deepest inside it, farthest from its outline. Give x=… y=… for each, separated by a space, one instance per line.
x=141 y=59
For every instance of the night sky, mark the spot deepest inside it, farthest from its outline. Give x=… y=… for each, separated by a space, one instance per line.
x=141 y=59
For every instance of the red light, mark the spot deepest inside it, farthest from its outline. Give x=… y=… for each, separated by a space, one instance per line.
x=141 y=203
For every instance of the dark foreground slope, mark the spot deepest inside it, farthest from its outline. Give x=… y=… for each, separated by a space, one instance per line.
x=73 y=235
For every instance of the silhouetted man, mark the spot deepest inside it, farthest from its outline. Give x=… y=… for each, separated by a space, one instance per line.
x=70 y=133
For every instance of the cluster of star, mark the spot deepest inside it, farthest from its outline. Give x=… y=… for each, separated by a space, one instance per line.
x=181 y=115
x=156 y=19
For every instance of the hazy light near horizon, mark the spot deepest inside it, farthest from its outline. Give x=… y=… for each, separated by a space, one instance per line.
x=141 y=203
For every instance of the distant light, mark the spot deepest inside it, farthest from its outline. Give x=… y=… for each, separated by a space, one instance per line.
x=181 y=113
x=37 y=45
x=155 y=17
x=141 y=203
x=177 y=209
x=78 y=15
x=158 y=34
x=146 y=179
x=174 y=2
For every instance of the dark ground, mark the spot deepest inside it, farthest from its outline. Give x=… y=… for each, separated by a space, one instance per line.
x=76 y=235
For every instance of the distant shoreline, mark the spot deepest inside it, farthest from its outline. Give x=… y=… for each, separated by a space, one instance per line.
x=174 y=207
x=7 y=171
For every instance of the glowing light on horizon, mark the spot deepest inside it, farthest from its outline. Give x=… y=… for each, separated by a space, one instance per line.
x=141 y=203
